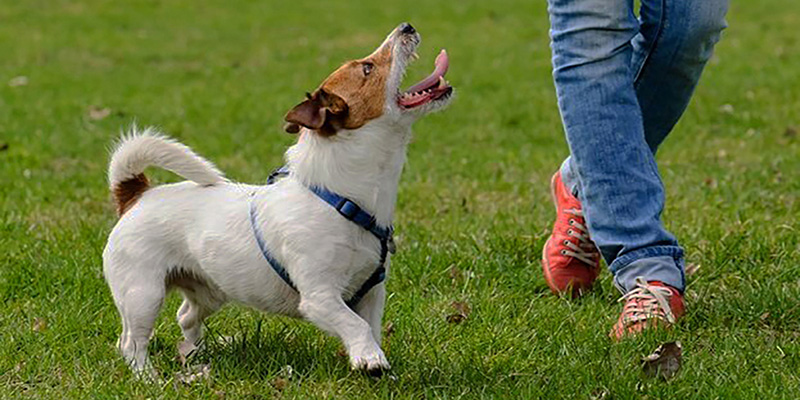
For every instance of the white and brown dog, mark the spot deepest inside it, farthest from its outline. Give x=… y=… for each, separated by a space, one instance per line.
x=285 y=247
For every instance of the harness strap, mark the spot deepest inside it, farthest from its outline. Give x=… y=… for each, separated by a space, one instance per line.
x=263 y=247
x=377 y=277
x=278 y=173
x=348 y=209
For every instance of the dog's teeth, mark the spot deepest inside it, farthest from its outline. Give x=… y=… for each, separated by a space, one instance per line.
x=414 y=56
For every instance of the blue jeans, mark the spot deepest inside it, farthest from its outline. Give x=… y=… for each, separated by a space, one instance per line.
x=622 y=84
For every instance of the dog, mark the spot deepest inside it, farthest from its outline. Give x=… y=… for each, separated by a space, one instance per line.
x=283 y=247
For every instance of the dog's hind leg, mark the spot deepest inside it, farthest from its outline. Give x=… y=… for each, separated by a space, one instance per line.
x=138 y=304
x=198 y=304
x=138 y=288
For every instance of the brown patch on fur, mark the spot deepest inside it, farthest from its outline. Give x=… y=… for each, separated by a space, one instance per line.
x=350 y=97
x=128 y=191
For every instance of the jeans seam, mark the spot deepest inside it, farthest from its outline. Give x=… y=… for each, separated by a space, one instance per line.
x=662 y=20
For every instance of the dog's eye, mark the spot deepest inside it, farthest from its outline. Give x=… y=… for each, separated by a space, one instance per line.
x=367 y=68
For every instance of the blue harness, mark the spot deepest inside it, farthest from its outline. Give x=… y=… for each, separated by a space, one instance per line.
x=348 y=209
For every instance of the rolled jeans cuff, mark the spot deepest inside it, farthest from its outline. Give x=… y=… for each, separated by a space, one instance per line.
x=656 y=263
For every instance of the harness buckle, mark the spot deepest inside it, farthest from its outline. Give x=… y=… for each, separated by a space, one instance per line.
x=348 y=209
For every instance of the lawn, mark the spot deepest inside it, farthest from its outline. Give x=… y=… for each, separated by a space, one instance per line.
x=473 y=212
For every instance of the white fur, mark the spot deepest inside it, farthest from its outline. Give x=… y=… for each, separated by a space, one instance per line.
x=136 y=151
x=196 y=235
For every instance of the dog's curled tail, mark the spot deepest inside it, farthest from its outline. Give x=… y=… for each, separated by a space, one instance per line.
x=138 y=150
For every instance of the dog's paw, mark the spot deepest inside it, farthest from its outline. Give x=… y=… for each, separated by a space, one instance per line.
x=147 y=373
x=186 y=349
x=374 y=363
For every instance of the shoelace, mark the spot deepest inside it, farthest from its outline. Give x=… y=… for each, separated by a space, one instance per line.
x=650 y=301
x=585 y=250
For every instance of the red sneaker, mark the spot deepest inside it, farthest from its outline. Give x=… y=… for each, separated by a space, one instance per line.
x=648 y=306
x=570 y=260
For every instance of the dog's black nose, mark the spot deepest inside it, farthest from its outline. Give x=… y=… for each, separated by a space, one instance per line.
x=406 y=28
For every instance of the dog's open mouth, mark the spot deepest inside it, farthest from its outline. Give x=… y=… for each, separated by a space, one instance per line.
x=432 y=88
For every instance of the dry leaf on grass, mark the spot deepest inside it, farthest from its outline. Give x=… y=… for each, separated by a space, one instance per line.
x=280 y=383
x=665 y=362
x=462 y=312
x=282 y=380
x=455 y=273
x=388 y=330
x=790 y=132
x=39 y=325
x=455 y=318
x=97 y=113
x=601 y=394
x=3 y=146
x=462 y=307
x=692 y=268
x=18 y=81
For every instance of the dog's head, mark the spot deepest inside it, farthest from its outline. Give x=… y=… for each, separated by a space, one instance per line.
x=369 y=88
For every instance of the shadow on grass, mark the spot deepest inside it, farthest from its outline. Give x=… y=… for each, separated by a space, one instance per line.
x=268 y=349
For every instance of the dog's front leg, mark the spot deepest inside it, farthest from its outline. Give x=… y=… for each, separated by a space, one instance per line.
x=325 y=308
x=371 y=309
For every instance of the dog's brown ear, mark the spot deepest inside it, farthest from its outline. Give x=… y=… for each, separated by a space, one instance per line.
x=322 y=112
x=309 y=113
x=333 y=103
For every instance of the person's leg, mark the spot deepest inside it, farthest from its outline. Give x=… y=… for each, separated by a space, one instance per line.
x=676 y=40
x=669 y=53
x=611 y=167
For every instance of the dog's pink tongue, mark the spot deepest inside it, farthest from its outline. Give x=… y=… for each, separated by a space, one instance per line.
x=442 y=64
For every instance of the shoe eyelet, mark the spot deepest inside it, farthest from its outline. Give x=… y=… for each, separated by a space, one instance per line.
x=563 y=252
x=569 y=231
x=566 y=242
x=571 y=221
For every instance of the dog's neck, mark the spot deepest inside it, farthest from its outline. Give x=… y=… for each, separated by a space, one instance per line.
x=363 y=165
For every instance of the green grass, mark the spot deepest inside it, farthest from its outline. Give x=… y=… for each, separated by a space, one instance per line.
x=219 y=75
